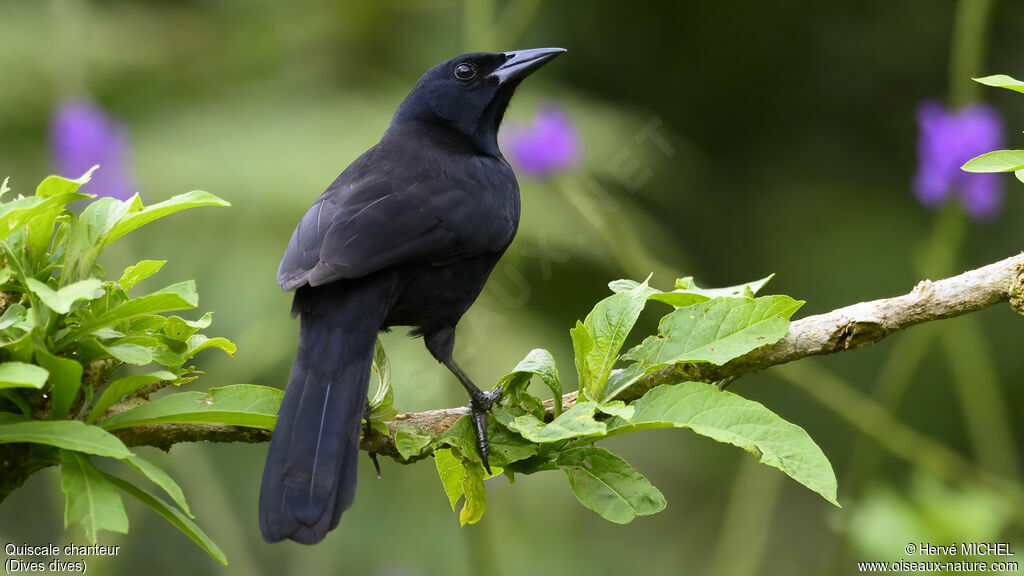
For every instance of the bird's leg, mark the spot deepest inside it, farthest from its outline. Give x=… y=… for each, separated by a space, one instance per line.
x=480 y=403
x=441 y=342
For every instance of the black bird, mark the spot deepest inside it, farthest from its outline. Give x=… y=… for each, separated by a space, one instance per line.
x=405 y=236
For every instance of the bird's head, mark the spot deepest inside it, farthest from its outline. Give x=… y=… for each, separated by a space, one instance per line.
x=469 y=94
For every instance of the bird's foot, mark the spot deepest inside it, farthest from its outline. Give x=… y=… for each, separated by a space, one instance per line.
x=479 y=405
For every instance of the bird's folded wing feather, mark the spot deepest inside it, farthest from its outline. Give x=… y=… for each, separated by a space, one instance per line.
x=364 y=227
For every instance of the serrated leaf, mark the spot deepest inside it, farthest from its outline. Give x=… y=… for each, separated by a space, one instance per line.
x=732 y=419
x=997 y=161
x=1002 y=81
x=608 y=485
x=122 y=387
x=573 y=423
x=451 y=472
x=67 y=434
x=162 y=479
x=717 y=331
x=172 y=515
x=132 y=275
x=91 y=500
x=237 y=405
x=410 y=442
x=65 y=380
x=22 y=375
x=597 y=341
x=136 y=219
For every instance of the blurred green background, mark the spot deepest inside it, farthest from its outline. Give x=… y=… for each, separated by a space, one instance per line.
x=793 y=131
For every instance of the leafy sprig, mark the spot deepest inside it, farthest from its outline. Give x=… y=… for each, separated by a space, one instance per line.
x=999 y=160
x=65 y=330
x=703 y=325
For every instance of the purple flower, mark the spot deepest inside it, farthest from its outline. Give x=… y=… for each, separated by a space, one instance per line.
x=549 y=144
x=947 y=140
x=83 y=135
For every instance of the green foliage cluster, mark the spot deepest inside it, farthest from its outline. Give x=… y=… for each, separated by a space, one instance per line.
x=999 y=160
x=65 y=330
x=703 y=325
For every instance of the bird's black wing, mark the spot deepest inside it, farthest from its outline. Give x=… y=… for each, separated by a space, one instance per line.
x=359 y=228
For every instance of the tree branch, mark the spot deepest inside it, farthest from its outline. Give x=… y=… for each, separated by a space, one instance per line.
x=843 y=329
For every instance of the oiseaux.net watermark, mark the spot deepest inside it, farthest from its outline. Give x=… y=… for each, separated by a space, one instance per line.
x=954 y=557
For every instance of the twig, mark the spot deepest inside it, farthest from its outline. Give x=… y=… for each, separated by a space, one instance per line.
x=847 y=328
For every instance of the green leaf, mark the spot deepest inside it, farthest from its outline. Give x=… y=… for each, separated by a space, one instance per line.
x=410 y=442
x=136 y=219
x=172 y=515
x=129 y=353
x=451 y=472
x=476 y=496
x=538 y=362
x=122 y=387
x=90 y=499
x=132 y=275
x=161 y=479
x=1020 y=175
x=608 y=485
x=616 y=408
x=22 y=375
x=383 y=402
x=67 y=434
x=687 y=292
x=16 y=315
x=573 y=423
x=60 y=301
x=85 y=236
x=17 y=213
x=599 y=338
x=179 y=329
x=55 y=185
x=65 y=380
x=732 y=419
x=717 y=331
x=174 y=297
x=238 y=405
x=622 y=378
x=997 y=161
x=198 y=342
x=1002 y=81
x=506 y=446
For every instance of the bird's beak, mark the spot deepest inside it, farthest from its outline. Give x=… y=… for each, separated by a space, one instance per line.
x=522 y=63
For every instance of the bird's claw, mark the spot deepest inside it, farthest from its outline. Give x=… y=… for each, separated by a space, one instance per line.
x=479 y=406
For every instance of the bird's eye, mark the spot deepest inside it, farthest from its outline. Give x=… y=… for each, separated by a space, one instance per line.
x=465 y=71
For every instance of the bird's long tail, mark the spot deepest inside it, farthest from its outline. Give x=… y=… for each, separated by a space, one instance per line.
x=310 y=475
